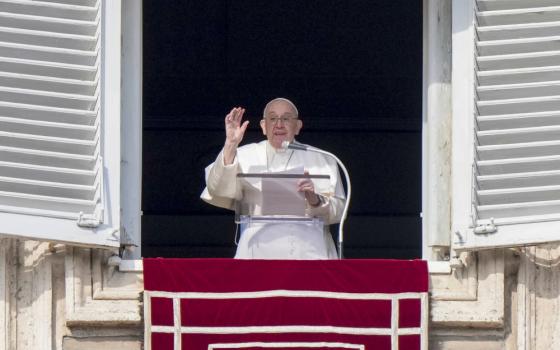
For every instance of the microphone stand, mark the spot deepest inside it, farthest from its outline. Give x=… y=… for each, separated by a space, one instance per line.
x=302 y=147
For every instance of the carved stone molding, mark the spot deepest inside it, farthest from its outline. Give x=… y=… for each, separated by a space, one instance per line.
x=27 y=319
x=7 y=296
x=473 y=297
x=99 y=295
x=111 y=284
x=460 y=284
x=538 y=301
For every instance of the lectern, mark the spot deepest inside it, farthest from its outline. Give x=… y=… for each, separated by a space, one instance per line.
x=273 y=219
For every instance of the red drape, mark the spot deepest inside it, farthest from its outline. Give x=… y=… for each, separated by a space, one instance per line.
x=284 y=304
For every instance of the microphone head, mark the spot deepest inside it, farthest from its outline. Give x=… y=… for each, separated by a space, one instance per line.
x=296 y=145
x=285 y=145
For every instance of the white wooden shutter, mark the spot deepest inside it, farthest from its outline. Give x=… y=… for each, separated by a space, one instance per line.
x=53 y=177
x=516 y=171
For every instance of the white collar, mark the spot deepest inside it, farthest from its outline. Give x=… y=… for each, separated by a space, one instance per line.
x=277 y=159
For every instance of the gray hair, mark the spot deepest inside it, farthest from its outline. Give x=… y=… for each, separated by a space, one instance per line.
x=281 y=99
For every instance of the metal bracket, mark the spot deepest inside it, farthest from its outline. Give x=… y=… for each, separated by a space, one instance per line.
x=126 y=240
x=127 y=243
x=486 y=228
x=91 y=220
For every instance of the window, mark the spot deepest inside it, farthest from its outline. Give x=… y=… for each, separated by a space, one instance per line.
x=60 y=121
x=358 y=92
x=506 y=105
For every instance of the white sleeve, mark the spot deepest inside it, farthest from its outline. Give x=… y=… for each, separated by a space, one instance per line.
x=221 y=179
x=333 y=201
x=330 y=209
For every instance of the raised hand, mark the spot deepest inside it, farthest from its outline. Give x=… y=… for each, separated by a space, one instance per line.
x=234 y=129
x=234 y=133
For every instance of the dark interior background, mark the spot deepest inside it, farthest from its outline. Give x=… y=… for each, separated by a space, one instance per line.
x=353 y=68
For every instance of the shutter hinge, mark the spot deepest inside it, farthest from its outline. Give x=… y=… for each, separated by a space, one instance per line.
x=91 y=220
x=126 y=239
x=486 y=228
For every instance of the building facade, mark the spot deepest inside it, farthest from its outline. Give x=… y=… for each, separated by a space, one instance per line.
x=70 y=83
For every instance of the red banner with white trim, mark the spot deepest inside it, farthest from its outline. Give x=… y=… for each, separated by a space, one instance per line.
x=285 y=304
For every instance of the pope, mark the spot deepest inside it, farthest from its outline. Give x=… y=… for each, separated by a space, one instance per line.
x=325 y=199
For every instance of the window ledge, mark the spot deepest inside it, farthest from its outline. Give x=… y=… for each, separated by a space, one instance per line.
x=131 y=265
x=434 y=267
x=439 y=267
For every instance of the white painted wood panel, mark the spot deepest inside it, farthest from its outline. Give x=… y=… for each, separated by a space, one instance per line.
x=516 y=130
x=59 y=117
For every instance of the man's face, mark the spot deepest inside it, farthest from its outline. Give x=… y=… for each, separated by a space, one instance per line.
x=280 y=123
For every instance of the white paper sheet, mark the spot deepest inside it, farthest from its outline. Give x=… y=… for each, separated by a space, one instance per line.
x=280 y=195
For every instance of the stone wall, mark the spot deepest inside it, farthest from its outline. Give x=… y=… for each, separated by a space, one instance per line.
x=57 y=297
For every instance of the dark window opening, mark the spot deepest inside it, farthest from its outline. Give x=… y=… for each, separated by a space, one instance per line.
x=353 y=68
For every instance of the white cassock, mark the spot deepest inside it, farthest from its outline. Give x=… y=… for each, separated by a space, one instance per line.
x=279 y=240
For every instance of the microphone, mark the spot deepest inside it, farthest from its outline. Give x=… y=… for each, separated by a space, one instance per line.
x=301 y=147
x=294 y=145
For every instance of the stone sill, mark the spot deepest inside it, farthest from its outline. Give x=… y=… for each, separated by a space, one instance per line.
x=434 y=267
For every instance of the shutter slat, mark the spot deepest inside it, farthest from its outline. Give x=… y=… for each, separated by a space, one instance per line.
x=49 y=9
x=47 y=143
x=518 y=120
x=48 y=54
x=518 y=150
x=516 y=46
x=520 y=212
x=48 y=69
x=89 y=3
x=33 y=82
x=33 y=127
x=57 y=115
x=518 y=195
x=518 y=165
x=46 y=158
x=518 y=31
x=46 y=203
x=48 y=173
x=492 y=5
x=47 y=188
x=48 y=24
x=509 y=91
x=529 y=179
x=47 y=98
x=519 y=135
x=518 y=16
x=49 y=39
x=517 y=76
x=518 y=60
x=519 y=105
